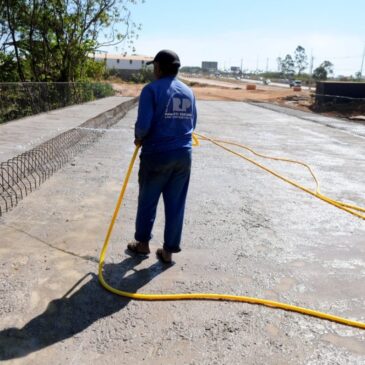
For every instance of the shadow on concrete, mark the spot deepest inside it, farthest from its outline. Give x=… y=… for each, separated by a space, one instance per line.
x=77 y=309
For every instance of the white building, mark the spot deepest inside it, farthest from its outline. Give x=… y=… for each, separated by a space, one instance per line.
x=123 y=62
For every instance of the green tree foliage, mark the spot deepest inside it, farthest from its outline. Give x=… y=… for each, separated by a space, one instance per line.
x=320 y=73
x=52 y=40
x=8 y=68
x=323 y=71
x=301 y=59
x=358 y=75
x=23 y=99
x=288 y=66
x=191 y=69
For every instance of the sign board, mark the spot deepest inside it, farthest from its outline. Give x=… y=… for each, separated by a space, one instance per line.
x=209 y=66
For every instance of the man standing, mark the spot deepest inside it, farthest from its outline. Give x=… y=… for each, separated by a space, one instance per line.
x=165 y=123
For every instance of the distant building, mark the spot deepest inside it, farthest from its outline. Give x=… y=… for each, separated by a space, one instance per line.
x=123 y=62
x=210 y=66
x=235 y=69
x=125 y=66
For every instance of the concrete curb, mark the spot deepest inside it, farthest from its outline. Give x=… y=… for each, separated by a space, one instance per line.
x=111 y=116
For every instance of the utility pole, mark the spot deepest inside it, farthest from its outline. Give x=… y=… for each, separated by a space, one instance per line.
x=311 y=70
x=267 y=64
x=278 y=60
x=362 y=63
x=311 y=65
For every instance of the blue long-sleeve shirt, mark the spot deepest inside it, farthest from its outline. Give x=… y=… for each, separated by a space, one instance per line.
x=166 y=116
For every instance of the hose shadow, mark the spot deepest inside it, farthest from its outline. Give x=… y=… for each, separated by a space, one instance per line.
x=77 y=309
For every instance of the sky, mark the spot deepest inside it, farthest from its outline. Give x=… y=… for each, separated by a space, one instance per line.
x=254 y=32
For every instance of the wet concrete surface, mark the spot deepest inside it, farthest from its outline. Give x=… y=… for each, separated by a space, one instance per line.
x=246 y=233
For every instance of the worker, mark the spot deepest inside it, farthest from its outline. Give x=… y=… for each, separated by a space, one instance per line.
x=166 y=120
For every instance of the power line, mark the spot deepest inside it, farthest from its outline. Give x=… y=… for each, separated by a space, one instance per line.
x=345 y=57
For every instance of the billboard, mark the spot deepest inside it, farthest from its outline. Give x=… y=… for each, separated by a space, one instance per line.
x=209 y=66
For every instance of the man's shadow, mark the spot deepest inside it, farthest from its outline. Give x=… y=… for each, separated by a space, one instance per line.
x=77 y=310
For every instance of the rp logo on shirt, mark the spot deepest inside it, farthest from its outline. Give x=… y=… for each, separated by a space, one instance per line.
x=180 y=105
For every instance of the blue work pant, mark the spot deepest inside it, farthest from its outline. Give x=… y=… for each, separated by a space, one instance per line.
x=167 y=173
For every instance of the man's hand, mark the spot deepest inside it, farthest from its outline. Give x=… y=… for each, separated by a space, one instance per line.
x=138 y=142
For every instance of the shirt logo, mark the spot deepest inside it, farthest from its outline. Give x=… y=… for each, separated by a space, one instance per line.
x=179 y=107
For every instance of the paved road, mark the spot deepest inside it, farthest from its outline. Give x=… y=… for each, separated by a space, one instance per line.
x=241 y=83
x=277 y=84
x=246 y=233
x=213 y=82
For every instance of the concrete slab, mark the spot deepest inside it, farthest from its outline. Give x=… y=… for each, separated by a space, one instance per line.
x=353 y=127
x=203 y=81
x=21 y=135
x=245 y=233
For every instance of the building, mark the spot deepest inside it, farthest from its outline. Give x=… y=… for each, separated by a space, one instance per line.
x=209 y=66
x=123 y=62
x=124 y=66
x=235 y=69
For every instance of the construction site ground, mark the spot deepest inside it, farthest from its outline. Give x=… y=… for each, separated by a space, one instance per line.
x=207 y=89
x=235 y=90
x=246 y=233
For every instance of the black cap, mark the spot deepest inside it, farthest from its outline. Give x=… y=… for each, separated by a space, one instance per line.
x=166 y=57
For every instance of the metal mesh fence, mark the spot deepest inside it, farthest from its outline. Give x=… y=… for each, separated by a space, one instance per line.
x=19 y=100
x=24 y=173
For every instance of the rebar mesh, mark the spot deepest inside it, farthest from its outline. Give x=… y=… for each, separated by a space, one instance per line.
x=24 y=173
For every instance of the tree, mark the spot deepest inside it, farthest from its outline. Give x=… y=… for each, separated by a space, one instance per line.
x=320 y=73
x=328 y=66
x=358 y=75
x=52 y=40
x=301 y=59
x=8 y=68
x=287 y=66
x=323 y=70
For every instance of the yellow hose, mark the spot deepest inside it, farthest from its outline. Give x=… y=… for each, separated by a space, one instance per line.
x=207 y=296
x=352 y=209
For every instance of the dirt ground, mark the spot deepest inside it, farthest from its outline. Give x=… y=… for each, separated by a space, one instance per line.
x=262 y=93
x=233 y=90
x=234 y=93
x=237 y=92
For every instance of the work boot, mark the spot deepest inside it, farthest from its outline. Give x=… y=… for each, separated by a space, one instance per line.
x=164 y=256
x=139 y=247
